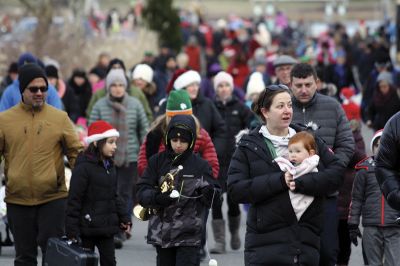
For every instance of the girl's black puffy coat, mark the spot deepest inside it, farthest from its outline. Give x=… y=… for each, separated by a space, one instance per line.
x=93 y=193
x=274 y=236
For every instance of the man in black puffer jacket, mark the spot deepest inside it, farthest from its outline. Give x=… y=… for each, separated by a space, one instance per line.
x=388 y=162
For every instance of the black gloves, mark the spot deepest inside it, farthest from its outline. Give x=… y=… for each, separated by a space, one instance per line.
x=354 y=232
x=208 y=194
x=164 y=200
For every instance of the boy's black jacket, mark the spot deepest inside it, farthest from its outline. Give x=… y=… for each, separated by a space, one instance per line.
x=181 y=223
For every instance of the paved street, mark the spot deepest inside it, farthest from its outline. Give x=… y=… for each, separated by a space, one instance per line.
x=137 y=253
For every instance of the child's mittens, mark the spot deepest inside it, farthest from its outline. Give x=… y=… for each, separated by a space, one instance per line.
x=354 y=232
x=164 y=199
x=207 y=195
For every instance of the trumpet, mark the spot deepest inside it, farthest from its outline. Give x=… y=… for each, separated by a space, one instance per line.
x=167 y=185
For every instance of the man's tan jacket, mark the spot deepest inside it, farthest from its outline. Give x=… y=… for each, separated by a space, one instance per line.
x=33 y=143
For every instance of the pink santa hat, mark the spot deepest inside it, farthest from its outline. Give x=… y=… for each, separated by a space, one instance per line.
x=223 y=76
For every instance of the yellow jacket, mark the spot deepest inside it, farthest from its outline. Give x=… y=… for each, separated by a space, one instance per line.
x=32 y=143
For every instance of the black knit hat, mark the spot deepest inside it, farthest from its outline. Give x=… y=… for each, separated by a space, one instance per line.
x=29 y=72
x=51 y=71
x=13 y=68
x=180 y=133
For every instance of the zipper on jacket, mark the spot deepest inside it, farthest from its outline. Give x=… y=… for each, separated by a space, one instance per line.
x=106 y=165
x=304 y=115
x=31 y=144
x=382 y=210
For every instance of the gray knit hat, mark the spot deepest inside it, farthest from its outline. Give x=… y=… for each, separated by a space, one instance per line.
x=386 y=76
x=284 y=60
x=115 y=75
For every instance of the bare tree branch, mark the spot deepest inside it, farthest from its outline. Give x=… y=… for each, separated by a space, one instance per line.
x=30 y=7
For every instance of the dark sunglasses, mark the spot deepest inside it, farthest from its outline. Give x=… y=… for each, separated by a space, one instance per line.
x=278 y=87
x=35 y=89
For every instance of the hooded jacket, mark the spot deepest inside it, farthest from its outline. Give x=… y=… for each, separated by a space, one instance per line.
x=155 y=143
x=181 y=223
x=367 y=199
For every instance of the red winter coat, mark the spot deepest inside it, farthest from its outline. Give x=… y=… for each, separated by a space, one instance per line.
x=203 y=146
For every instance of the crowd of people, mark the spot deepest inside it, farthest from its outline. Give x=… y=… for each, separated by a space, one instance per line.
x=265 y=114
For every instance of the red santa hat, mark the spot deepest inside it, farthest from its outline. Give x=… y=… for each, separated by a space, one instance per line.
x=100 y=130
x=171 y=82
x=351 y=109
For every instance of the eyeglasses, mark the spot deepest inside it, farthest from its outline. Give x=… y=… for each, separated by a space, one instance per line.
x=278 y=87
x=35 y=89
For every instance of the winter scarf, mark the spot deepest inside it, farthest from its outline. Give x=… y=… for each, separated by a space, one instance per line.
x=280 y=143
x=120 y=123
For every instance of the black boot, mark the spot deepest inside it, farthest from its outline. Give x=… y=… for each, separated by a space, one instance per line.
x=234 y=225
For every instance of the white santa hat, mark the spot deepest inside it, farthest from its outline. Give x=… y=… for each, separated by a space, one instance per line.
x=255 y=85
x=143 y=71
x=223 y=76
x=377 y=135
x=186 y=79
x=100 y=130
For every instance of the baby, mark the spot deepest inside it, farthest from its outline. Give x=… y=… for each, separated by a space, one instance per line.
x=302 y=160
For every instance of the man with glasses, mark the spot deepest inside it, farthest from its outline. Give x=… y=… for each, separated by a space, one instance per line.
x=33 y=139
x=11 y=95
x=325 y=115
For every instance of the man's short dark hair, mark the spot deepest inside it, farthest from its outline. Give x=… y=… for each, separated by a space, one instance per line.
x=302 y=71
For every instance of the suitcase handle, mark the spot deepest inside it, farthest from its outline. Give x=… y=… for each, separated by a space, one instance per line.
x=75 y=243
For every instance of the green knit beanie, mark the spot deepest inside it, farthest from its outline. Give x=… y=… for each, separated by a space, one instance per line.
x=178 y=103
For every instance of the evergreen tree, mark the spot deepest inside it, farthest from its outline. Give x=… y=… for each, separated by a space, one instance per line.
x=164 y=19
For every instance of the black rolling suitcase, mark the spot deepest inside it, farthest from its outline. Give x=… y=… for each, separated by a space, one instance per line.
x=60 y=252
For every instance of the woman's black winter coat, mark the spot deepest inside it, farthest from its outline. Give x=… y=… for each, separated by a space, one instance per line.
x=274 y=236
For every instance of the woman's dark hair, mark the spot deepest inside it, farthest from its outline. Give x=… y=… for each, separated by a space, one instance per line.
x=303 y=71
x=266 y=98
x=93 y=150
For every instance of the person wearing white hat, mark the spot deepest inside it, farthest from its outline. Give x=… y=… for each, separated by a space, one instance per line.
x=142 y=79
x=190 y=81
x=237 y=117
x=255 y=86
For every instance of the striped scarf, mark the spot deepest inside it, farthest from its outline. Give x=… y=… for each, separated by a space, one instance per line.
x=120 y=123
